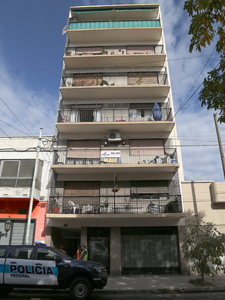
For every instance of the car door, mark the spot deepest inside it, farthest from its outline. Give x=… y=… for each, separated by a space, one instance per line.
x=3 y=250
x=47 y=269
x=19 y=266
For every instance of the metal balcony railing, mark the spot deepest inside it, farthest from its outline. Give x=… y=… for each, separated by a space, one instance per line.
x=131 y=79
x=117 y=50
x=154 y=204
x=103 y=114
x=87 y=156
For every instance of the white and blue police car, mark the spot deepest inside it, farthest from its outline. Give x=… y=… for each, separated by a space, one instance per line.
x=39 y=266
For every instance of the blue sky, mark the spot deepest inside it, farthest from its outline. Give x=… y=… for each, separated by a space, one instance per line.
x=31 y=51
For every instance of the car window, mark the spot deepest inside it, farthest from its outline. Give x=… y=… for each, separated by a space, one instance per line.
x=45 y=254
x=65 y=255
x=2 y=251
x=23 y=252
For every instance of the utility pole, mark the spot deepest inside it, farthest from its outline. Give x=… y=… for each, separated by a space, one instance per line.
x=32 y=190
x=220 y=143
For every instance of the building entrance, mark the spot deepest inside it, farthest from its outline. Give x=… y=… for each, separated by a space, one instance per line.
x=69 y=238
x=99 y=245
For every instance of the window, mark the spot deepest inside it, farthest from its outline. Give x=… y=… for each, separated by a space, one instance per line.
x=23 y=253
x=2 y=251
x=18 y=173
x=45 y=254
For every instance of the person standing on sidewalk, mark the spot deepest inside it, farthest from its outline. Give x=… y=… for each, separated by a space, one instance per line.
x=79 y=250
x=84 y=254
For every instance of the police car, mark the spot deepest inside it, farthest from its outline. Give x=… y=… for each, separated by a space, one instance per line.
x=40 y=266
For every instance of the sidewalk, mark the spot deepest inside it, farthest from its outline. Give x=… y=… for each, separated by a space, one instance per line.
x=155 y=283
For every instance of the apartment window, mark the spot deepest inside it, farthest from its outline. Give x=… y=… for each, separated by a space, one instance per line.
x=83 y=152
x=18 y=173
x=86 y=115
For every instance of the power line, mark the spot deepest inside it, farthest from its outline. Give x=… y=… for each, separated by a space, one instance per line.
x=16 y=116
x=186 y=101
x=4 y=133
x=14 y=127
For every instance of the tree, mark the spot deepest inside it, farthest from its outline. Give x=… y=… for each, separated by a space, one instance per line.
x=207 y=24
x=204 y=245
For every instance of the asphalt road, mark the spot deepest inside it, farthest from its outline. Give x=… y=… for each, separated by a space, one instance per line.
x=48 y=295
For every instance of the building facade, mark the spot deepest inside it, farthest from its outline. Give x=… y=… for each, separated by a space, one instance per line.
x=117 y=170
x=17 y=161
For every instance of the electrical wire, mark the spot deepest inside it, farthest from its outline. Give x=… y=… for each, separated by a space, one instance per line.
x=15 y=128
x=16 y=117
x=186 y=101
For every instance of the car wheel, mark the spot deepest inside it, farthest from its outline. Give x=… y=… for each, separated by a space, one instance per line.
x=5 y=291
x=80 y=288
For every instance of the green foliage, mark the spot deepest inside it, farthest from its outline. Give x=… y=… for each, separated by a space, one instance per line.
x=204 y=245
x=213 y=94
x=208 y=21
x=207 y=24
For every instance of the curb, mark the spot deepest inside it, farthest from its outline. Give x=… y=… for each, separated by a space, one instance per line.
x=156 y=291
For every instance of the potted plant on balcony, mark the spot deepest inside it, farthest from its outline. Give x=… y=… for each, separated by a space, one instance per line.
x=55 y=208
x=116 y=189
x=97 y=82
x=104 y=82
x=139 y=81
x=172 y=207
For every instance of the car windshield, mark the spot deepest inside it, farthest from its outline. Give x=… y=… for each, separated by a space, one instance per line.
x=64 y=254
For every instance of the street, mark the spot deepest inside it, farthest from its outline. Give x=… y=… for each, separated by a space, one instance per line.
x=45 y=295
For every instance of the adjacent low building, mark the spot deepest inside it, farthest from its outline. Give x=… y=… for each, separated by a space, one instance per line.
x=17 y=160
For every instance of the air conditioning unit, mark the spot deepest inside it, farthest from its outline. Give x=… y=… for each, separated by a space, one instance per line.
x=114 y=136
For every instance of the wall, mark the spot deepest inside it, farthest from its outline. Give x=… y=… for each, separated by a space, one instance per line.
x=23 y=143
x=38 y=213
x=198 y=199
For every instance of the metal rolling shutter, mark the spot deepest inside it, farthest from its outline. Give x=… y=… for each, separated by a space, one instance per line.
x=86 y=80
x=146 y=147
x=82 y=193
x=140 y=49
x=142 y=79
x=19 y=231
x=149 y=251
x=83 y=149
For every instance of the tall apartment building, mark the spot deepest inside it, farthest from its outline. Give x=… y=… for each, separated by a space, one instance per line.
x=117 y=172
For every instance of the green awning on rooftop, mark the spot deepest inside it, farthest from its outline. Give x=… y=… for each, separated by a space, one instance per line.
x=109 y=10
x=114 y=24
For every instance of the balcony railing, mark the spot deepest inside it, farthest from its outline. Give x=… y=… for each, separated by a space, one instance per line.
x=114 y=24
x=117 y=50
x=85 y=156
x=110 y=115
x=153 y=204
x=151 y=78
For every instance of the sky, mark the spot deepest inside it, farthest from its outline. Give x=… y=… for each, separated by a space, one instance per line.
x=31 y=57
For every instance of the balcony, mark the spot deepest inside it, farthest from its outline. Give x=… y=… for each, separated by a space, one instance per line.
x=129 y=164
x=103 y=117
x=133 y=86
x=88 y=33
x=120 y=57
x=105 y=205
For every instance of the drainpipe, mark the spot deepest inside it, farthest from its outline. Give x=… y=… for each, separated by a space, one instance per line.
x=32 y=190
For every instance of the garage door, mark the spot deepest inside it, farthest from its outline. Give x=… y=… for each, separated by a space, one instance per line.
x=150 y=250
